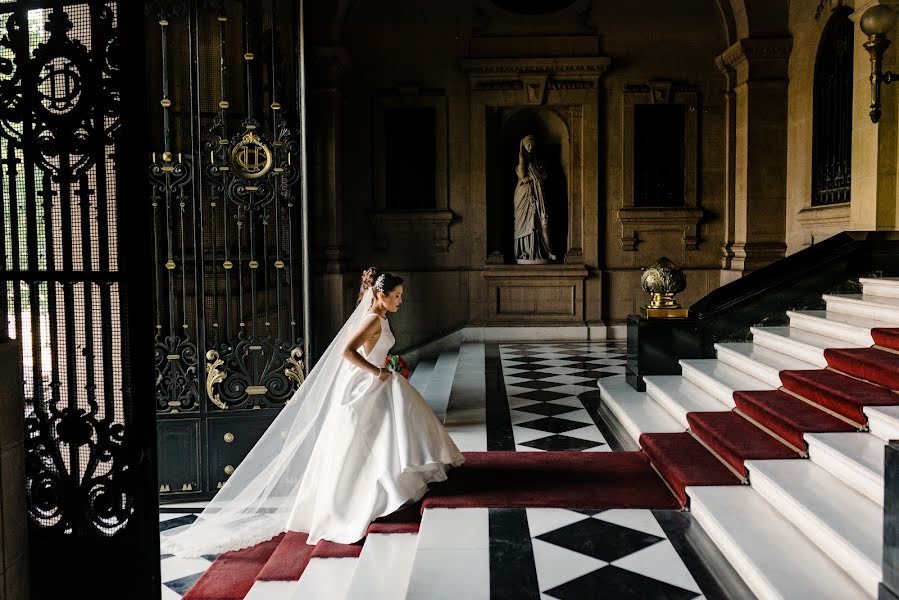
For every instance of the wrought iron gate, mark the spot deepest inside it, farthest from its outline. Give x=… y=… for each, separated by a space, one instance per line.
x=225 y=174
x=71 y=256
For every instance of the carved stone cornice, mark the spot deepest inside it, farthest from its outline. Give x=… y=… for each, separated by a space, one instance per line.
x=535 y=76
x=758 y=58
x=635 y=220
x=506 y=68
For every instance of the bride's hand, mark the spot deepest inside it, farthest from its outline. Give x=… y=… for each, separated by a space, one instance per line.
x=383 y=374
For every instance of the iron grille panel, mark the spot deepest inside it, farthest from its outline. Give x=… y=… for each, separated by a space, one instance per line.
x=832 y=116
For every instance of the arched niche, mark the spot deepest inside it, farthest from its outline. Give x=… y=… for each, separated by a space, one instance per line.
x=506 y=127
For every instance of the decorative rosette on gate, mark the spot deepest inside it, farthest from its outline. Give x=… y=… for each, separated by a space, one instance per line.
x=397 y=363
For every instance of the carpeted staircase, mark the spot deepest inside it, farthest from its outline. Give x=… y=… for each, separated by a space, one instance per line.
x=801 y=415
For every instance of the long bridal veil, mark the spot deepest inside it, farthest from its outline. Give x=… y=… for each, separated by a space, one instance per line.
x=255 y=503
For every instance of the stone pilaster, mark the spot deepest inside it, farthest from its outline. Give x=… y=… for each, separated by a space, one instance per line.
x=13 y=515
x=760 y=150
x=730 y=129
x=326 y=67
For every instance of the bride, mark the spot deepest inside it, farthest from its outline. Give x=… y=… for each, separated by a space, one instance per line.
x=355 y=442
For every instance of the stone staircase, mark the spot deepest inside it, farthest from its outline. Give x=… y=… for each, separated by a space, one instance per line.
x=777 y=446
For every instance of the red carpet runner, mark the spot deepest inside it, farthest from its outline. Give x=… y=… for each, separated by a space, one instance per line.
x=552 y=480
x=486 y=480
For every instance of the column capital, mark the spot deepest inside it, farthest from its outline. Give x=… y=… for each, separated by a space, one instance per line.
x=757 y=58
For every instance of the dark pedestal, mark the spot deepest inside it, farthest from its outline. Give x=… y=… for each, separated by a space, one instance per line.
x=654 y=347
x=889 y=589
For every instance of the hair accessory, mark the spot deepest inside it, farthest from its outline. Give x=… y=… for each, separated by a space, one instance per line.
x=379 y=283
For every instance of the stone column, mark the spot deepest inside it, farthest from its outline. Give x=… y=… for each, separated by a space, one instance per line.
x=730 y=128
x=13 y=515
x=326 y=66
x=874 y=160
x=760 y=151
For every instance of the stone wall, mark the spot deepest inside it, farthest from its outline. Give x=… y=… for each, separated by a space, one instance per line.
x=13 y=517
x=409 y=51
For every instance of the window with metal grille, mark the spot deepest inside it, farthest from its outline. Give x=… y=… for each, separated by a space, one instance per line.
x=659 y=155
x=832 y=116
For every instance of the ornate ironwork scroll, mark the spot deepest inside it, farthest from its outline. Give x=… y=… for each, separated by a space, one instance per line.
x=60 y=137
x=225 y=196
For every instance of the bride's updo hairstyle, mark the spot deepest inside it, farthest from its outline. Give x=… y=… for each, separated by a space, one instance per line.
x=379 y=281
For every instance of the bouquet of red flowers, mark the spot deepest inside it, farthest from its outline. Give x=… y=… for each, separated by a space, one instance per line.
x=397 y=363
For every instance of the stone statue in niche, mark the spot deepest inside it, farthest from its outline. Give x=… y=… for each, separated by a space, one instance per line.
x=531 y=221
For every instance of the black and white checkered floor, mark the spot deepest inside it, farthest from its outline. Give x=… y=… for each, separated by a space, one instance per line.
x=536 y=553
x=543 y=382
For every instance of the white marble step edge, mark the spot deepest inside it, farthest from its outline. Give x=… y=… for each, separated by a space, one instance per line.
x=762 y=363
x=680 y=396
x=883 y=421
x=880 y=286
x=267 y=590
x=421 y=376
x=636 y=411
x=774 y=558
x=880 y=308
x=452 y=559
x=845 y=524
x=720 y=379
x=804 y=345
x=440 y=385
x=324 y=578
x=384 y=567
x=836 y=325
x=854 y=457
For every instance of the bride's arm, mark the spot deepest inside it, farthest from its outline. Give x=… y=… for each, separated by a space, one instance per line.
x=371 y=328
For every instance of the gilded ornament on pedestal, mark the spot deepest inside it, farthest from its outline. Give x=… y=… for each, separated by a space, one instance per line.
x=663 y=280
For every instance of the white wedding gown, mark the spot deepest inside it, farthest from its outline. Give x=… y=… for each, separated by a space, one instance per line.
x=379 y=448
x=348 y=448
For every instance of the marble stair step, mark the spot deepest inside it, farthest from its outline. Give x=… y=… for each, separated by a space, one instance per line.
x=845 y=524
x=880 y=286
x=798 y=343
x=452 y=558
x=680 y=396
x=854 y=457
x=837 y=325
x=325 y=578
x=883 y=421
x=772 y=556
x=440 y=383
x=880 y=308
x=720 y=379
x=762 y=363
x=466 y=400
x=384 y=567
x=421 y=376
x=637 y=412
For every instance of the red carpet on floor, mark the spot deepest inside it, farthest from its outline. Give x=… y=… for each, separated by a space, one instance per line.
x=788 y=416
x=289 y=559
x=683 y=461
x=877 y=366
x=735 y=439
x=552 y=479
x=837 y=392
x=888 y=338
x=405 y=520
x=326 y=549
x=232 y=574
